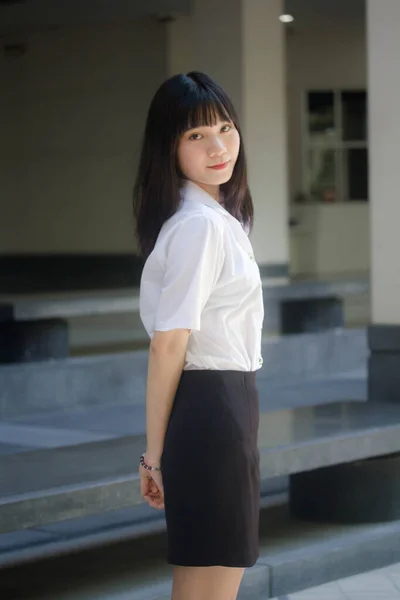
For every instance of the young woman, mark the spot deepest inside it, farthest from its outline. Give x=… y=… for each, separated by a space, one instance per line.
x=201 y=304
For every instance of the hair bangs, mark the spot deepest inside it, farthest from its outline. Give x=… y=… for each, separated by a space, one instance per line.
x=202 y=107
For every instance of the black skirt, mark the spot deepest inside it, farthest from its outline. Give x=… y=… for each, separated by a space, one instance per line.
x=210 y=469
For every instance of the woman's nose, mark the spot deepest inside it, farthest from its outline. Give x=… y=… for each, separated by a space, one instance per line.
x=217 y=147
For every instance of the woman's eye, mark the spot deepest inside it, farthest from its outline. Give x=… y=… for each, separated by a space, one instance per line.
x=226 y=128
x=195 y=136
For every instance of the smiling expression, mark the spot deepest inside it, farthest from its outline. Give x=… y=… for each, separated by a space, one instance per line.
x=207 y=155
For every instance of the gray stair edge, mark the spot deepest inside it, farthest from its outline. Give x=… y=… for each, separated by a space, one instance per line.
x=63 y=544
x=68 y=502
x=358 y=552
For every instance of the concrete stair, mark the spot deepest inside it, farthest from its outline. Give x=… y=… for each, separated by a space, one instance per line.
x=121 y=565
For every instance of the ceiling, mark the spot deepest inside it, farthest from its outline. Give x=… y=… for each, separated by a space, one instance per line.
x=325 y=11
x=22 y=14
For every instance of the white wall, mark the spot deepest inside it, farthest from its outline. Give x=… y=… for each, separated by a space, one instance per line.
x=72 y=112
x=331 y=239
x=333 y=57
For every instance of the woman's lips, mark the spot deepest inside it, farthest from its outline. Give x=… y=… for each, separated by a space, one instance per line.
x=220 y=166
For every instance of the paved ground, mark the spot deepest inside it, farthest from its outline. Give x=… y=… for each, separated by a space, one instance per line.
x=382 y=584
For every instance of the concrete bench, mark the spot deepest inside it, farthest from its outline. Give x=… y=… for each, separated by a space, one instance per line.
x=35 y=327
x=107 y=392
x=81 y=382
x=342 y=459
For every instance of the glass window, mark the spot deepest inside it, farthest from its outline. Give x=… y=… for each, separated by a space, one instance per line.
x=322 y=173
x=355 y=171
x=354 y=116
x=321 y=118
x=336 y=153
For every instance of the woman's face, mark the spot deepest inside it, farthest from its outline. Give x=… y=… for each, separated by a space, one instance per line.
x=207 y=155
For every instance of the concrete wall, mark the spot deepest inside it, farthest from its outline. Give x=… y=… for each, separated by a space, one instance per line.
x=72 y=112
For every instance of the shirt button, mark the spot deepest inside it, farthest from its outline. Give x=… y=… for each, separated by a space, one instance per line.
x=260 y=361
x=251 y=257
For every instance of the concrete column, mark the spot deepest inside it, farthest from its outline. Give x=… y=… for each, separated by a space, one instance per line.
x=383 y=42
x=241 y=44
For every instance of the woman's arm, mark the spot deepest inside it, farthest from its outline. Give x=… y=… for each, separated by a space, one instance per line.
x=193 y=262
x=166 y=362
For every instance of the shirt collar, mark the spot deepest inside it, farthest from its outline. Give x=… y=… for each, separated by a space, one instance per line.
x=193 y=192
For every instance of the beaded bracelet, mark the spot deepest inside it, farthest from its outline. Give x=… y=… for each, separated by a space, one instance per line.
x=148 y=466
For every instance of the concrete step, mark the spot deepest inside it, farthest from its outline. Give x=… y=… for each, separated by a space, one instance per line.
x=59 y=484
x=294 y=555
x=96 y=530
x=56 y=484
x=51 y=485
x=34 y=389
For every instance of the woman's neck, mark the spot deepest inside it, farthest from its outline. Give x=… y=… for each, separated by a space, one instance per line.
x=212 y=190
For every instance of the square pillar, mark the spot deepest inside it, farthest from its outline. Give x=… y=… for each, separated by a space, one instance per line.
x=383 y=41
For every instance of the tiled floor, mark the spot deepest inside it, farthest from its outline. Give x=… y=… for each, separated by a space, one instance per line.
x=382 y=584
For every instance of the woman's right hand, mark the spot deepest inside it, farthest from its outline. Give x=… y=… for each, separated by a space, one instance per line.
x=151 y=487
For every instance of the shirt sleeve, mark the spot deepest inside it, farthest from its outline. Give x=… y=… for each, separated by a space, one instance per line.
x=194 y=261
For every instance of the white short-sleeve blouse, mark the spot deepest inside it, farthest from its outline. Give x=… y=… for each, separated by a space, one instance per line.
x=202 y=276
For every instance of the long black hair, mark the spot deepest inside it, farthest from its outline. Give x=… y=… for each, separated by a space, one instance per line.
x=181 y=103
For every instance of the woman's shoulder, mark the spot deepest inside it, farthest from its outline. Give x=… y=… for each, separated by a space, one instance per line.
x=200 y=228
x=193 y=217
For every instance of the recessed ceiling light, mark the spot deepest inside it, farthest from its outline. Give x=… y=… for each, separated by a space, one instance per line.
x=286 y=18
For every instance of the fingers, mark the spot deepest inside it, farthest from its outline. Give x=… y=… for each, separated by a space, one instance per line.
x=155 y=502
x=144 y=486
x=154 y=497
x=157 y=478
x=152 y=490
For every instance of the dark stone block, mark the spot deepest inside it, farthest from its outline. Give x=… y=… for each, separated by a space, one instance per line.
x=6 y=313
x=311 y=315
x=30 y=341
x=384 y=377
x=384 y=363
x=273 y=270
x=384 y=338
x=359 y=492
